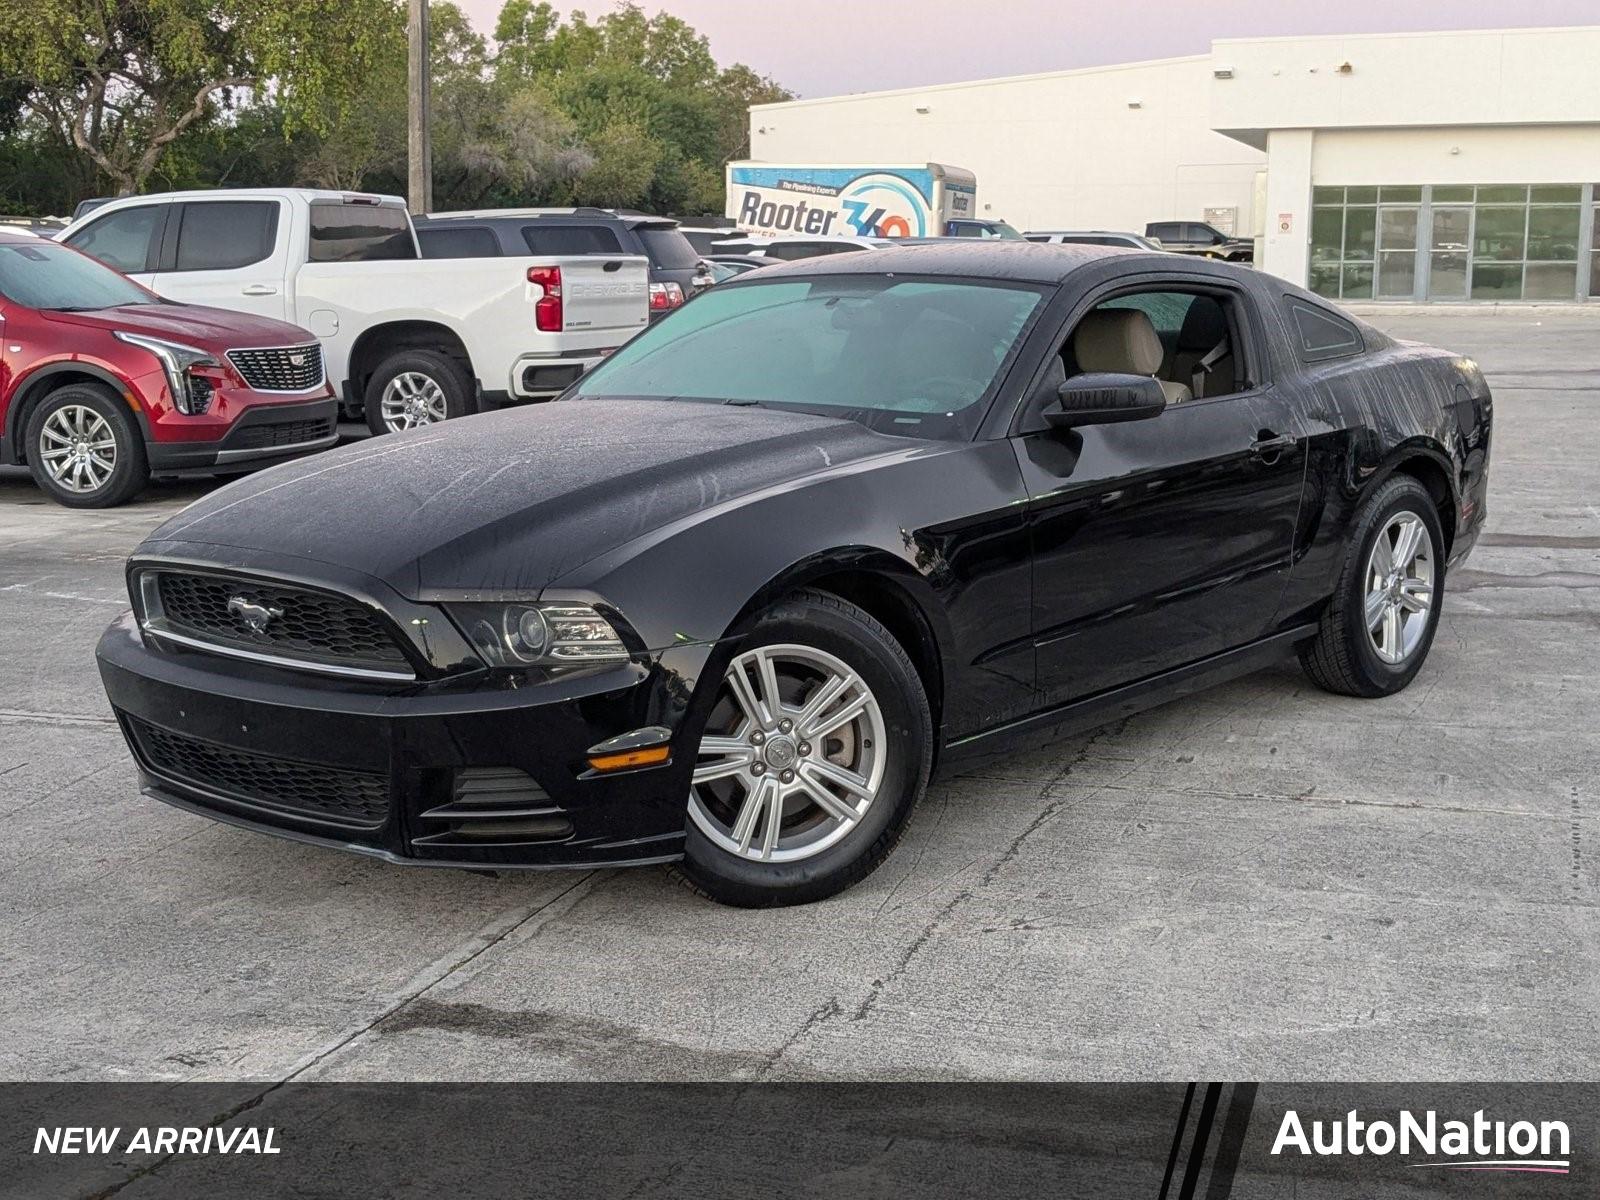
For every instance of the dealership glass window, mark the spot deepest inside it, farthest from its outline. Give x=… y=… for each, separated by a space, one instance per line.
x=1344 y=236
x=1492 y=242
x=1594 y=246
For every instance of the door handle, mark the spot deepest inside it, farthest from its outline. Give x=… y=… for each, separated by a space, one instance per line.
x=1269 y=446
x=259 y=289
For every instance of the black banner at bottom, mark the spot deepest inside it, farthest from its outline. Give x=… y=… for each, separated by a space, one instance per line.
x=574 y=1141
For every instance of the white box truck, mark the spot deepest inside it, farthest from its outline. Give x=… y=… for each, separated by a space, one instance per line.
x=835 y=200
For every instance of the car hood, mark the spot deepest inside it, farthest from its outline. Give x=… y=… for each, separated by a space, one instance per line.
x=215 y=329
x=506 y=503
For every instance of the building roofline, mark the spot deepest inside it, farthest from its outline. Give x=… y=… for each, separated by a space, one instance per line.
x=1494 y=31
x=972 y=83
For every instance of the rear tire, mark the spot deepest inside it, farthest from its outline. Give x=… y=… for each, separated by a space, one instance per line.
x=870 y=770
x=412 y=388
x=1372 y=641
x=85 y=449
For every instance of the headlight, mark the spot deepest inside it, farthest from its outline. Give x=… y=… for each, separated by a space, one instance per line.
x=553 y=634
x=191 y=394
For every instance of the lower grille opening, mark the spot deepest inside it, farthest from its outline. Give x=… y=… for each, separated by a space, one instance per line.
x=494 y=806
x=267 y=435
x=356 y=799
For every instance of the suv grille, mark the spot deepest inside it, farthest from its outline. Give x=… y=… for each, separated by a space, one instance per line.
x=280 y=368
x=302 y=624
x=355 y=798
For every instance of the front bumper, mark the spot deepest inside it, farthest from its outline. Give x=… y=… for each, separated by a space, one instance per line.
x=381 y=772
x=262 y=434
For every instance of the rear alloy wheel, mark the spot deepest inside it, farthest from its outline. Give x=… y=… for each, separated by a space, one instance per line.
x=1378 y=629
x=84 y=449
x=815 y=750
x=413 y=388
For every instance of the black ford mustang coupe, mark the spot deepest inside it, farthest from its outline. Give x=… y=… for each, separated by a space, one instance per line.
x=731 y=599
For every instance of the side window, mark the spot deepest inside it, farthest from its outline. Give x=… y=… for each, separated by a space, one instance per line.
x=1322 y=334
x=476 y=242
x=571 y=239
x=1187 y=340
x=1166 y=231
x=121 y=239
x=219 y=235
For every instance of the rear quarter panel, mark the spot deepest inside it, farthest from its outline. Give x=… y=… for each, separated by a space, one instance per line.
x=1399 y=406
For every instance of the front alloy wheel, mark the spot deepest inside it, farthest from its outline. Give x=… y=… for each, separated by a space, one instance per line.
x=792 y=758
x=815 y=743
x=78 y=449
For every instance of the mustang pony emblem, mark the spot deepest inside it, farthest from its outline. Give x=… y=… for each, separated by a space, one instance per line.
x=256 y=617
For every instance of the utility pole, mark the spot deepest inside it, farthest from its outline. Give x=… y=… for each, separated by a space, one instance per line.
x=419 y=141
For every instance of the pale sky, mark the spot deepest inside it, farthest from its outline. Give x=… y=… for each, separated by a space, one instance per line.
x=829 y=47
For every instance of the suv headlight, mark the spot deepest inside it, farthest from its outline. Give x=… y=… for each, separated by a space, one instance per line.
x=190 y=393
x=551 y=634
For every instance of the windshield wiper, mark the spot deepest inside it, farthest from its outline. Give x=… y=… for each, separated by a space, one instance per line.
x=741 y=402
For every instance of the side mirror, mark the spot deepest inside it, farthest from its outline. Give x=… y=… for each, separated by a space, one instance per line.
x=1102 y=398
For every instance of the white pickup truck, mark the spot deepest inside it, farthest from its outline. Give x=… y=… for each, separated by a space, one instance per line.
x=407 y=340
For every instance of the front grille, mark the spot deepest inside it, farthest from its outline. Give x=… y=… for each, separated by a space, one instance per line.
x=280 y=368
x=354 y=798
x=267 y=435
x=299 y=623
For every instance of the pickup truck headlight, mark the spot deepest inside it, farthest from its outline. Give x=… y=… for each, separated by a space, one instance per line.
x=191 y=393
x=552 y=634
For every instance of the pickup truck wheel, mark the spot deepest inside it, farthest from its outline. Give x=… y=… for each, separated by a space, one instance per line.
x=84 y=448
x=411 y=388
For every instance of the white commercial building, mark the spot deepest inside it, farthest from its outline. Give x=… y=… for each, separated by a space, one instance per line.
x=1414 y=167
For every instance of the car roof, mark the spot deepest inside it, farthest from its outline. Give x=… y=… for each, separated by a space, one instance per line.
x=1082 y=233
x=1020 y=262
x=630 y=220
x=252 y=193
x=13 y=233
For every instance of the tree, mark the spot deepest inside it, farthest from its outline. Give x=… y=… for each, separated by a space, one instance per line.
x=122 y=80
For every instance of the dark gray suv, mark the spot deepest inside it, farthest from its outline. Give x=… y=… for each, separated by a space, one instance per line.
x=676 y=269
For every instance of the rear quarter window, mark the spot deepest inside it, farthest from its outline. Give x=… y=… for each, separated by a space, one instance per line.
x=1321 y=334
x=668 y=248
x=359 y=233
x=571 y=239
x=458 y=243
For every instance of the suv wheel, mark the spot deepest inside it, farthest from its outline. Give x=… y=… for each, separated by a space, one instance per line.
x=84 y=448
x=1379 y=627
x=814 y=752
x=412 y=388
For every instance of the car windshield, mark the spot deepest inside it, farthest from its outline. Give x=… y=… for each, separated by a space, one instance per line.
x=43 y=274
x=913 y=356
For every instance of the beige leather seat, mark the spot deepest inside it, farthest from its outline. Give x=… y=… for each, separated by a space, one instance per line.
x=1122 y=340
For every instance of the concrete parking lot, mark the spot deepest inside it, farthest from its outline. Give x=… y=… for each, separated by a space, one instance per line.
x=1261 y=881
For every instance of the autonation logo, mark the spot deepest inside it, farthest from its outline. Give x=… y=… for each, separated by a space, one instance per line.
x=1476 y=1145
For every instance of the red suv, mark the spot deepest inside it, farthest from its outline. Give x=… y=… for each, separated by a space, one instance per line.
x=102 y=382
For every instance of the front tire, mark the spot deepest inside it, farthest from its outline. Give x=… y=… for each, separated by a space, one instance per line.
x=1378 y=629
x=815 y=750
x=413 y=388
x=85 y=449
